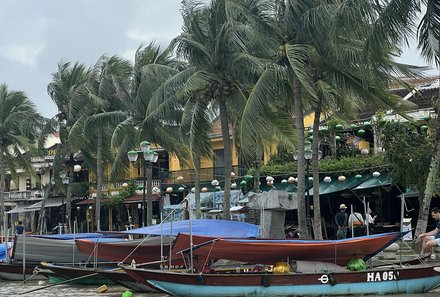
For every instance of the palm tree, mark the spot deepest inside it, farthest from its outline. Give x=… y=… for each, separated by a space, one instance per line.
x=213 y=34
x=152 y=67
x=107 y=89
x=18 y=125
x=67 y=92
x=322 y=68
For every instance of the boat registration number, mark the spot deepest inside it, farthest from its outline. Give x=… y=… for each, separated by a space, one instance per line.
x=382 y=276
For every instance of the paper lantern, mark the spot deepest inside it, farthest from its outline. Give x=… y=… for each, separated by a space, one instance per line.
x=376 y=174
x=269 y=178
x=179 y=179
x=204 y=189
x=233 y=185
x=327 y=179
x=169 y=190
x=291 y=180
x=341 y=178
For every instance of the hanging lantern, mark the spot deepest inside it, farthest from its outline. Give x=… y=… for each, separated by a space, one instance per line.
x=337 y=137
x=243 y=183
x=310 y=178
x=284 y=182
x=327 y=179
x=269 y=178
x=248 y=178
x=341 y=178
x=193 y=190
x=353 y=126
x=233 y=185
x=169 y=190
x=427 y=117
x=367 y=125
x=338 y=127
x=204 y=189
x=179 y=179
x=364 y=152
x=376 y=174
x=270 y=183
x=361 y=132
x=181 y=189
x=217 y=188
x=310 y=132
x=124 y=185
x=214 y=182
x=232 y=173
x=423 y=128
x=358 y=176
x=291 y=180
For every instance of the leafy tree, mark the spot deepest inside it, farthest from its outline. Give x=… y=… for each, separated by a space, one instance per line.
x=67 y=92
x=107 y=89
x=19 y=122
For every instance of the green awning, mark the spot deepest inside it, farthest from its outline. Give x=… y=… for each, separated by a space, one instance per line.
x=381 y=180
x=336 y=186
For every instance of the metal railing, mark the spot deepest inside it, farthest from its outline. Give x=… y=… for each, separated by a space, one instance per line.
x=18 y=195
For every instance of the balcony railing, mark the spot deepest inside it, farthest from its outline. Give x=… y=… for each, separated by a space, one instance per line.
x=18 y=195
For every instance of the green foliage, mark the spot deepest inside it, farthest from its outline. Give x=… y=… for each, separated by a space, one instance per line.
x=123 y=194
x=409 y=150
x=344 y=165
x=80 y=189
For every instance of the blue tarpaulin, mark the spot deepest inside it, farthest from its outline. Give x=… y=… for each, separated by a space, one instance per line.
x=71 y=236
x=202 y=227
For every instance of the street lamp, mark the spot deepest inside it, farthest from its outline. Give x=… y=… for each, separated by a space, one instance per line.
x=149 y=157
x=65 y=180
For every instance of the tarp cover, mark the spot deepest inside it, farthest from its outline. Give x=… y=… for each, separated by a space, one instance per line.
x=216 y=228
x=72 y=236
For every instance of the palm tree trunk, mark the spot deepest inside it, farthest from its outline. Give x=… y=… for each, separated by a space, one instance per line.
x=43 y=208
x=299 y=122
x=431 y=182
x=3 y=209
x=98 y=181
x=317 y=230
x=228 y=158
x=197 y=186
x=69 y=197
x=258 y=157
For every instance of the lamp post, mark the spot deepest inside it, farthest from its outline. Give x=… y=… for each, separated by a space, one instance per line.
x=308 y=159
x=149 y=157
x=65 y=180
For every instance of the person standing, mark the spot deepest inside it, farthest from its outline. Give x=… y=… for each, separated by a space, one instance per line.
x=19 y=229
x=356 y=222
x=371 y=219
x=341 y=219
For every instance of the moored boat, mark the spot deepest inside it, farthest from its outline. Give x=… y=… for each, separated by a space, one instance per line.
x=377 y=281
x=269 y=251
x=77 y=275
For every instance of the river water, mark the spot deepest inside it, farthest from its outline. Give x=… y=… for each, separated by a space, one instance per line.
x=8 y=289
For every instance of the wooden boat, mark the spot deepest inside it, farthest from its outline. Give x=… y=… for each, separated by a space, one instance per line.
x=77 y=275
x=119 y=276
x=18 y=272
x=378 y=281
x=140 y=250
x=269 y=251
x=52 y=248
x=153 y=248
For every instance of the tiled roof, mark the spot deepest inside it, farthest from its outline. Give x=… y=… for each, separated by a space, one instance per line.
x=426 y=91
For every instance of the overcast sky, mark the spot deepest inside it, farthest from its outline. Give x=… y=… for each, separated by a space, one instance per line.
x=35 y=35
